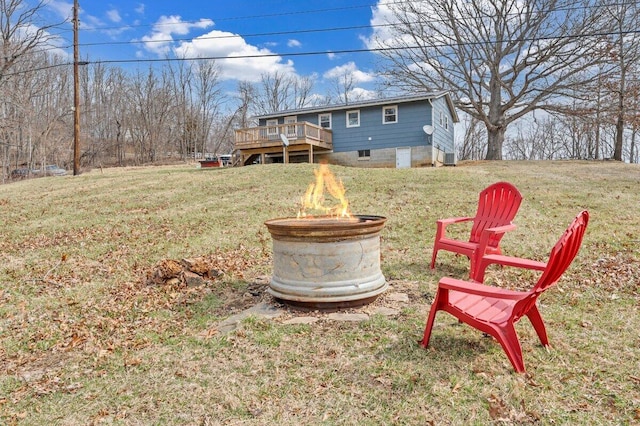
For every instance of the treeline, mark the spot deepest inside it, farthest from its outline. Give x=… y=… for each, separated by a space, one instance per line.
x=178 y=110
x=173 y=112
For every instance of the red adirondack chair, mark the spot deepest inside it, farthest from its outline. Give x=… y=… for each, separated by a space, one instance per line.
x=495 y=310
x=497 y=206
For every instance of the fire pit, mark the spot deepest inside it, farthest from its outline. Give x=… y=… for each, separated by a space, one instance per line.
x=327 y=262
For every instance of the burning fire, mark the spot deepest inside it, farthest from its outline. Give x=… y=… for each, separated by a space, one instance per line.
x=314 y=198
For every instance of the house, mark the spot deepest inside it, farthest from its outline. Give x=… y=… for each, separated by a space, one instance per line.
x=409 y=131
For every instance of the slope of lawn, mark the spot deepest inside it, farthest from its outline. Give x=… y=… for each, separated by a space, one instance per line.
x=86 y=337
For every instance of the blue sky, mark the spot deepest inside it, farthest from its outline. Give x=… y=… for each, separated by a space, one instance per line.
x=124 y=30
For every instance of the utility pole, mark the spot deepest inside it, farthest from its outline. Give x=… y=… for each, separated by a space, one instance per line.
x=76 y=94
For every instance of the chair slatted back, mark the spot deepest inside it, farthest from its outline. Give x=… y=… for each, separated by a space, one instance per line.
x=563 y=252
x=497 y=206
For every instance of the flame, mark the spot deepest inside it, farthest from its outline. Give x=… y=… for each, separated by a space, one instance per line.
x=314 y=198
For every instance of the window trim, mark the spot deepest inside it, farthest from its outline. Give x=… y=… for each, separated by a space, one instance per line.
x=347 y=116
x=291 y=126
x=443 y=120
x=270 y=126
x=384 y=108
x=362 y=154
x=327 y=114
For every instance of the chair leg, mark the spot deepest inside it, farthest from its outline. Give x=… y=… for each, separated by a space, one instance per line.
x=430 y=319
x=472 y=267
x=433 y=257
x=536 y=320
x=508 y=339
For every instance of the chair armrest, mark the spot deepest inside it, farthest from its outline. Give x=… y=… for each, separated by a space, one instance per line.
x=490 y=232
x=451 y=220
x=500 y=259
x=479 y=289
x=486 y=236
x=443 y=223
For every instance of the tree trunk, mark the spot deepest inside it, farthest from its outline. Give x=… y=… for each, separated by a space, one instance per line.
x=617 y=151
x=494 y=143
x=632 y=149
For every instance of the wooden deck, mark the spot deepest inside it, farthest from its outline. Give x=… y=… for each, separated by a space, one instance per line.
x=265 y=141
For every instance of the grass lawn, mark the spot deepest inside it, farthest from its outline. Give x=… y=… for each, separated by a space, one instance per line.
x=85 y=339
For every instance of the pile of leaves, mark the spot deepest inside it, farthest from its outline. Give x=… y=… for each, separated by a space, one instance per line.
x=616 y=273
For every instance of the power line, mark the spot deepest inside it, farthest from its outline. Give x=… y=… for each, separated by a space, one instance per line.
x=226 y=36
x=289 y=32
x=249 y=35
x=264 y=34
x=316 y=53
x=247 y=17
x=312 y=11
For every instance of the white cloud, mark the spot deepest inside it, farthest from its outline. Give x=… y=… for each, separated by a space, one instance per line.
x=244 y=61
x=63 y=9
x=350 y=68
x=294 y=43
x=90 y=22
x=140 y=8
x=382 y=15
x=331 y=56
x=114 y=15
x=175 y=25
x=362 y=94
x=236 y=59
x=160 y=41
x=383 y=22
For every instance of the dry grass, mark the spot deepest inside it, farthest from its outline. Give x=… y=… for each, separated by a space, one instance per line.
x=84 y=340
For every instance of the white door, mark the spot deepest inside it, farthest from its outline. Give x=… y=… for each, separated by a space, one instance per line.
x=403 y=158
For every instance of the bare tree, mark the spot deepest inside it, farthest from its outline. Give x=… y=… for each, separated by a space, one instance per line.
x=634 y=118
x=151 y=100
x=472 y=147
x=279 y=91
x=180 y=80
x=302 y=88
x=21 y=31
x=209 y=99
x=342 y=86
x=273 y=93
x=246 y=96
x=625 y=54
x=502 y=59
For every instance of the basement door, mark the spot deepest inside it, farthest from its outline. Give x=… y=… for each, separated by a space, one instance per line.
x=403 y=158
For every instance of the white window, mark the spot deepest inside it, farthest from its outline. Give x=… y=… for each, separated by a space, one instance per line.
x=390 y=114
x=272 y=127
x=443 y=119
x=291 y=131
x=324 y=120
x=364 y=154
x=353 y=118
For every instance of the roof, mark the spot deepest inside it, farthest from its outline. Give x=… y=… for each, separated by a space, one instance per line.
x=367 y=103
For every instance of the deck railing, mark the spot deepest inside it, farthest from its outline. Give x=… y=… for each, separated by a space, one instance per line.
x=296 y=134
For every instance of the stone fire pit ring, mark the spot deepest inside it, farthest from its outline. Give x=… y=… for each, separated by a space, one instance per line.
x=326 y=263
